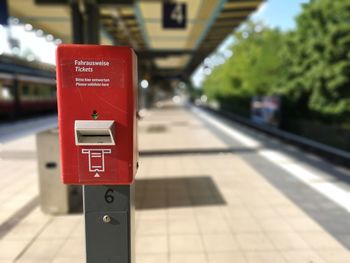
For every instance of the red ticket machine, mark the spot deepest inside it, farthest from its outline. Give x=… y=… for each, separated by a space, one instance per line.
x=97 y=100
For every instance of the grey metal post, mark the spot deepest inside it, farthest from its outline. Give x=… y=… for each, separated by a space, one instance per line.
x=109 y=224
x=85 y=17
x=92 y=23
x=77 y=23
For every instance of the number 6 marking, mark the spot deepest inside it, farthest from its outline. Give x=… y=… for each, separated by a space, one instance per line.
x=108 y=196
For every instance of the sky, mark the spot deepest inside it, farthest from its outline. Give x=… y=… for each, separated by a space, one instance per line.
x=277 y=13
x=274 y=13
x=34 y=43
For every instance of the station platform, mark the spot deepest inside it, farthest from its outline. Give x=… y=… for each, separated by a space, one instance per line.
x=207 y=191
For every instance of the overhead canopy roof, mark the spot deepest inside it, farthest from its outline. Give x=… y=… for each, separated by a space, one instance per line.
x=172 y=52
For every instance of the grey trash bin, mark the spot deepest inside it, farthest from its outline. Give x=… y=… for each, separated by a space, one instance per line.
x=55 y=197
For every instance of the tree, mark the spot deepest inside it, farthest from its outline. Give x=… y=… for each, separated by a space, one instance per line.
x=317 y=59
x=253 y=69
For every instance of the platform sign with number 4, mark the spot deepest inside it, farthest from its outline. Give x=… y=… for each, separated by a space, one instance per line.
x=174 y=15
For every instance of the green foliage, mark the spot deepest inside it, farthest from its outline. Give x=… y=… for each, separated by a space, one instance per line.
x=310 y=66
x=316 y=58
x=252 y=67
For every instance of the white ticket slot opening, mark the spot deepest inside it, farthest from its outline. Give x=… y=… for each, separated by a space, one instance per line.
x=94 y=132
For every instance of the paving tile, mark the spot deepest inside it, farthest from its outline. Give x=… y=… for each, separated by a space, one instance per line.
x=212 y=224
x=152 y=214
x=289 y=211
x=212 y=212
x=32 y=260
x=60 y=227
x=227 y=257
x=152 y=227
x=188 y=258
x=263 y=212
x=254 y=241
x=339 y=255
x=236 y=211
x=303 y=223
x=10 y=249
x=320 y=240
x=244 y=225
x=69 y=259
x=152 y=258
x=265 y=256
x=72 y=248
x=287 y=240
x=302 y=256
x=29 y=227
x=78 y=231
x=275 y=225
x=44 y=249
x=186 y=244
x=152 y=244
x=183 y=225
x=180 y=212
x=219 y=243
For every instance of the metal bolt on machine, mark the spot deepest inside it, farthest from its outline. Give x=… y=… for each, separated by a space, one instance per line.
x=97 y=100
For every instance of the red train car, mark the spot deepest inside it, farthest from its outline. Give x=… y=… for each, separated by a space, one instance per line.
x=26 y=88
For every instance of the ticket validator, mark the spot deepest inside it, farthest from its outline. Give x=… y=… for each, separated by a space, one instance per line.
x=97 y=101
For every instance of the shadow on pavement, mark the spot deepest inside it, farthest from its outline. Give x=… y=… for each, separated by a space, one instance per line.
x=177 y=192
